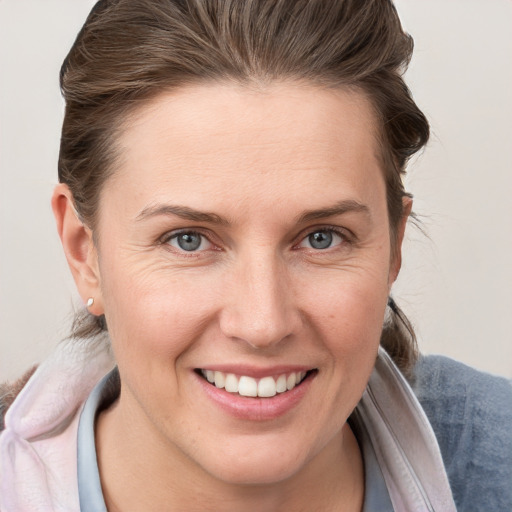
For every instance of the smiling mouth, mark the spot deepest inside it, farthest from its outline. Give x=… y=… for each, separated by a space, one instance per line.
x=265 y=387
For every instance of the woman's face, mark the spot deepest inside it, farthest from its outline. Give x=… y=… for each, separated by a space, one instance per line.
x=245 y=233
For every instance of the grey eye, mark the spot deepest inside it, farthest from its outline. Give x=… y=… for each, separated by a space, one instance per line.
x=322 y=239
x=189 y=241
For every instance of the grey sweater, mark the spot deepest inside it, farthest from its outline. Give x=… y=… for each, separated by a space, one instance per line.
x=471 y=415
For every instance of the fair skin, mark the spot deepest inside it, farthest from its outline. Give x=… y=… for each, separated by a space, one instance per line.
x=284 y=265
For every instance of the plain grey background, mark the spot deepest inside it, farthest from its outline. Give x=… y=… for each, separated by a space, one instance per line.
x=456 y=286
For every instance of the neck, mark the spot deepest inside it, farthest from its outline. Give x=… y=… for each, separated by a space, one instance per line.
x=137 y=474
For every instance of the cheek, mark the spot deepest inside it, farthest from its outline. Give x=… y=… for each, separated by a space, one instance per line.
x=155 y=315
x=351 y=306
x=349 y=316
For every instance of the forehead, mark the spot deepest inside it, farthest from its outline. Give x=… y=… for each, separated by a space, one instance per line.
x=207 y=140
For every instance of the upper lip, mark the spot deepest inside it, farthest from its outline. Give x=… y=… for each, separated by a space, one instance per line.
x=256 y=372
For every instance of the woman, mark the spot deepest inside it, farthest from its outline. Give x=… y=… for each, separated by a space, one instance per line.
x=232 y=210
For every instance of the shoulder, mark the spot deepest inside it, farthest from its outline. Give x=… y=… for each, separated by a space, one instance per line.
x=471 y=414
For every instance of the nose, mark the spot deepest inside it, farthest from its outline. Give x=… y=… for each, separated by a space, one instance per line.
x=260 y=308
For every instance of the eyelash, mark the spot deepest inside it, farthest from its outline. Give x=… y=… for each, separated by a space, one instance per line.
x=346 y=238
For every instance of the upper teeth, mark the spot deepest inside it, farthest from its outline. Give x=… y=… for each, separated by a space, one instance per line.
x=247 y=386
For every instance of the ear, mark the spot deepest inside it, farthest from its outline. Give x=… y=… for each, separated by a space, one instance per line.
x=79 y=248
x=396 y=261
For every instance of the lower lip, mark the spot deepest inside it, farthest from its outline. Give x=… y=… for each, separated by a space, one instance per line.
x=256 y=409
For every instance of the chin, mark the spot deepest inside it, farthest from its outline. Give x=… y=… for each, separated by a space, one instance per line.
x=249 y=473
x=260 y=462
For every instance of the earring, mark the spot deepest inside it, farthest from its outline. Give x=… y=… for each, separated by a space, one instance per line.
x=90 y=302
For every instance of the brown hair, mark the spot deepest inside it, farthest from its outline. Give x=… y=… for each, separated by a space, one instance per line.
x=130 y=50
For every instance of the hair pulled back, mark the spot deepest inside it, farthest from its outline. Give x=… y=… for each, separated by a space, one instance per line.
x=129 y=51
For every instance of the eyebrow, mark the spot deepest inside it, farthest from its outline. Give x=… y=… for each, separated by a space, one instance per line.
x=340 y=208
x=184 y=212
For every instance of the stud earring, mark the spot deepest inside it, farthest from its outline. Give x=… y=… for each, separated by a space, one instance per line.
x=90 y=302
